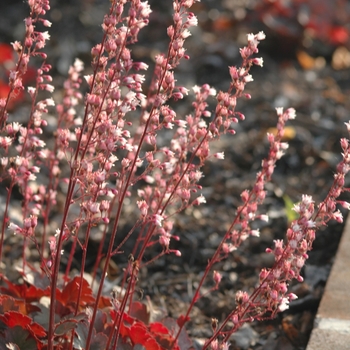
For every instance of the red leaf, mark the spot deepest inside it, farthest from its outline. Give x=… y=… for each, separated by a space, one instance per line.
x=158 y=328
x=69 y=295
x=14 y=318
x=151 y=344
x=104 y=302
x=127 y=318
x=124 y=331
x=22 y=291
x=138 y=333
x=35 y=294
x=113 y=314
x=37 y=330
x=29 y=76
x=6 y=53
x=7 y=303
x=4 y=90
x=339 y=35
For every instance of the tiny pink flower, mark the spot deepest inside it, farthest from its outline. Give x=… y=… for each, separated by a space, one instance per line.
x=47 y=23
x=50 y=102
x=17 y=46
x=217 y=277
x=158 y=219
x=100 y=177
x=344 y=204
x=52 y=244
x=241 y=297
x=263 y=217
x=46 y=35
x=192 y=20
x=292 y=296
x=291 y=114
x=94 y=207
x=15 y=228
x=219 y=155
x=274 y=295
x=234 y=319
x=258 y=61
x=143 y=206
x=311 y=224
x=185 y=34
x=225 y=346
x=348 y=126
x=278 y=247
x=177 y=252
x=284 y=304
x=48 y=87
x=164 y=240
x=199 y=200
x=261 y=36
x=233 y=73
x=185 y=194
x=228 y=248
x=255 y=233
x=338 y=216
x=214 y=345
x=279 y=111
x=250 y=37
x=248 y=78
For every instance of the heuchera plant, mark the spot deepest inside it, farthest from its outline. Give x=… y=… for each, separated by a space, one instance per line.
x=111 y=141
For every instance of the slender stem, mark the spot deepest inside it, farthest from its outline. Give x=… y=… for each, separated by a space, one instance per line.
x=216 y=255
x=5 y=218
x=71 y=186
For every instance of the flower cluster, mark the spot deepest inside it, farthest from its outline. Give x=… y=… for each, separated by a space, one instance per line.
x=240 y=229
x=290 y=257
x=22 y=150
x=272 y=296
x=33 y=43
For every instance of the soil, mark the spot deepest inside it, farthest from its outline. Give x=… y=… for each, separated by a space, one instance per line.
x=319 y=95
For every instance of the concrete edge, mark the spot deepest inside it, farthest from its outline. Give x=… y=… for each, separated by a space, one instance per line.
x=332 y=323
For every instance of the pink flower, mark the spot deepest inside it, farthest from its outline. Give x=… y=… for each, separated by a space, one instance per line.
x=219 y=155
x=284 y=304
x=143 y=206
x=217 y=277
x=248 y=78
x=158 y=219
x=46 y=23
x=192 y=20
x=258 y=61
x=261 y=36
x=199 y=200
x=15 y=228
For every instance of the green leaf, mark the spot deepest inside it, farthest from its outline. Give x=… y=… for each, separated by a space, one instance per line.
x=288 y=205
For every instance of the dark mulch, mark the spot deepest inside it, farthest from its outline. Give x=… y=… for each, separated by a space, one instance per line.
x=318 y=95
